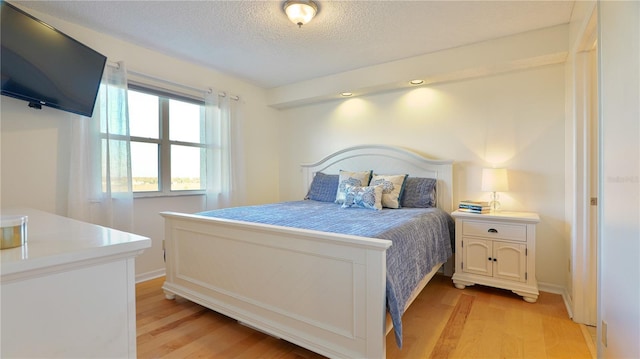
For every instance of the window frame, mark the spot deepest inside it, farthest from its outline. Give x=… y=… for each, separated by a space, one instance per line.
x=164 y=143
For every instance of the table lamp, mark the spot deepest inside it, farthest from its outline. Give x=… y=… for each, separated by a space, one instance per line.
x=494 y=180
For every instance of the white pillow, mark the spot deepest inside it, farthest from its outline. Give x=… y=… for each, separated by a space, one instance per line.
x=345 y=178
x=392 y=186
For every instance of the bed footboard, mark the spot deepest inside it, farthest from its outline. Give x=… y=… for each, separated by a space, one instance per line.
x=322 y=291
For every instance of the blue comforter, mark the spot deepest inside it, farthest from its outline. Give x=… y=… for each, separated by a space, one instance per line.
x=422 y=238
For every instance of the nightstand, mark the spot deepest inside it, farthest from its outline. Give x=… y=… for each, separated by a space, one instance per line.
x=497 y=250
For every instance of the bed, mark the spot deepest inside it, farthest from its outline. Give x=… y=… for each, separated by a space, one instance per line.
x=325 y=291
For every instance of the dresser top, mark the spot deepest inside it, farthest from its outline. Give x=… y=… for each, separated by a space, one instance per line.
x=53 y=240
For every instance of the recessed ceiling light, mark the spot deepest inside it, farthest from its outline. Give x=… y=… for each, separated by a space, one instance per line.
x=346 y=94
x=416 y=82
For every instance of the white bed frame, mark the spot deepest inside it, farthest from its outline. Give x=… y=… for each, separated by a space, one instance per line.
x=322 y=291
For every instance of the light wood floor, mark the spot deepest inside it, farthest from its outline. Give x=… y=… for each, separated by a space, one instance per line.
x=443 y=322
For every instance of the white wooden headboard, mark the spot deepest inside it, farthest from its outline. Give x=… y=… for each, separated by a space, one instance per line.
x=385 y=159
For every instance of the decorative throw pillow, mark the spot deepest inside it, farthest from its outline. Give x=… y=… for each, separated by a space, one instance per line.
x=392 y=188
x=353 y=179
x=323 y=188
x=419 y=192
x=364 y=197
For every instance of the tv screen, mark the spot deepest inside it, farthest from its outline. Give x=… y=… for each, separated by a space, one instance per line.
x=45 y=67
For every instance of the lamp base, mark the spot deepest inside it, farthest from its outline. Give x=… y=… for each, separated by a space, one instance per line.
x=494 y=203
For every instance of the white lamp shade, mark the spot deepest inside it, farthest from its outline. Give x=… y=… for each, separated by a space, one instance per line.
x=495 y=180
x=300 y=12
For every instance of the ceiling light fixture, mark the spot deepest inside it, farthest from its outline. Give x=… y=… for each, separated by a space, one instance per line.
x=300 y=12
x=346 y=94
x=416 y=82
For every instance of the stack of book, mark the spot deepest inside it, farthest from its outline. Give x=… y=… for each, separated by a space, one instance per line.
x=474 y=206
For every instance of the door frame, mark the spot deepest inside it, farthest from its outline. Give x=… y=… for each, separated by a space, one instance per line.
x=583 y=266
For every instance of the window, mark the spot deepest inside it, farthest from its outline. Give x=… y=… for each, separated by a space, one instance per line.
x=167 y=143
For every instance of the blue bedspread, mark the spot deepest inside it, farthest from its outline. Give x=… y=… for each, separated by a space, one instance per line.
x=422 y=238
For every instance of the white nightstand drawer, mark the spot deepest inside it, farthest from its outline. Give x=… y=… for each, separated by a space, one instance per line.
x=516 y=232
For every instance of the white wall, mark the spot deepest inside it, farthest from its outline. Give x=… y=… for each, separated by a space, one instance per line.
x=33 y=147
x=619 y=251
x=514 y=120
x=35 y=144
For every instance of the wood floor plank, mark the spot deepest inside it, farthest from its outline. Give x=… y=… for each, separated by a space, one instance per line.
x=452 y=332
x=498 y=324
x=169 y=338
x=533 y=336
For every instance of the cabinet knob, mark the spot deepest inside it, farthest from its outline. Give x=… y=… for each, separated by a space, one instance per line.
x=492 y=230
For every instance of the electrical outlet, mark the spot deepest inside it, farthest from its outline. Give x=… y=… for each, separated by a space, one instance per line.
x=603 y=332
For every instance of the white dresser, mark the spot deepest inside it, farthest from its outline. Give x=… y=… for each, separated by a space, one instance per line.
x=69 y=291
x=498 y=250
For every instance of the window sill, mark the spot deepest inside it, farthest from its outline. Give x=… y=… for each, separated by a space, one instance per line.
x=142 y=195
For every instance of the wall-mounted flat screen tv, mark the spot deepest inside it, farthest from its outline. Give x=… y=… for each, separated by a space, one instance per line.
x=45 y=67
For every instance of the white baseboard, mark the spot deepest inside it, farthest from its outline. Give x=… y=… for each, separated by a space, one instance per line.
x=150 y=275
x=551 y=288
x=558 y=289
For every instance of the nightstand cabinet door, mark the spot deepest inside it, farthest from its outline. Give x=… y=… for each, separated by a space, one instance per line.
x=509 y=261
x=477 y=256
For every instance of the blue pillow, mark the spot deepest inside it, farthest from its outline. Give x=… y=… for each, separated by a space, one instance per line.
x=419 y=193
x=363 y=197
x=323 y=188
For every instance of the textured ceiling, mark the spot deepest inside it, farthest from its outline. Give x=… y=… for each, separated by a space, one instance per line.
x=255 y=41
